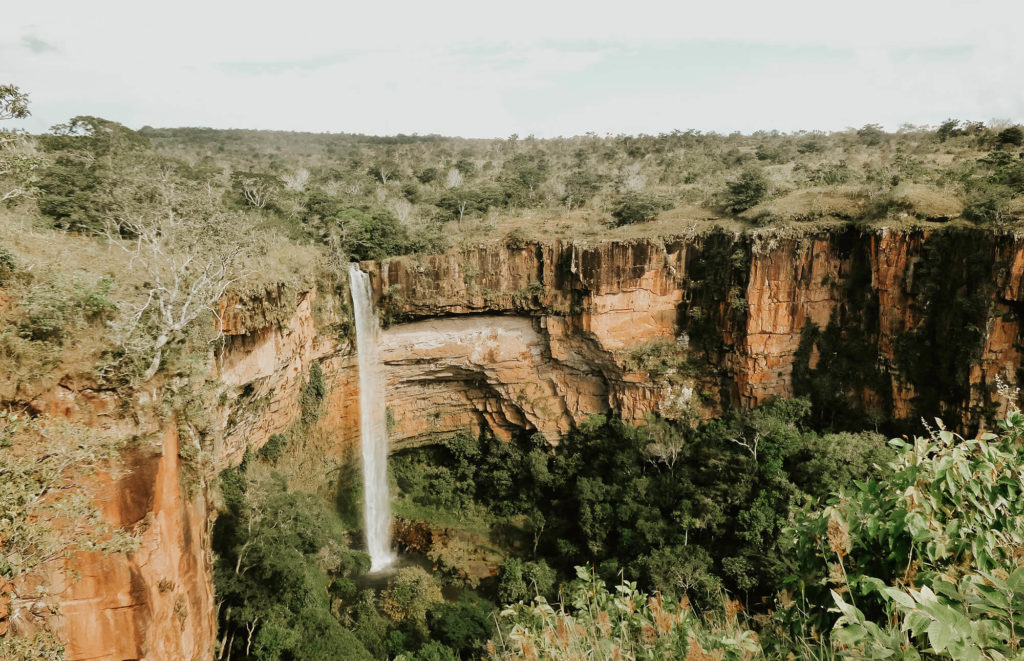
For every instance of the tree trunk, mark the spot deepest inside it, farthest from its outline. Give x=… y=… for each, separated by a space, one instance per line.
x=251 y=627
x=158 y=347
x=224 y=638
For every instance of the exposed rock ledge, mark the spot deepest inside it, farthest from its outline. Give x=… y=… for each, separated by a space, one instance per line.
x=457 y=372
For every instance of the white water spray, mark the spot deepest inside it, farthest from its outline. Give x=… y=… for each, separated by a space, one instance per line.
x=373 y=422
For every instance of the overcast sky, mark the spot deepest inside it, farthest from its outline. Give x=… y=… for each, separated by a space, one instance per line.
x=486 y=69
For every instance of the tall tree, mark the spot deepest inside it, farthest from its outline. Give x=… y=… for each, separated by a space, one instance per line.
x=17 y=159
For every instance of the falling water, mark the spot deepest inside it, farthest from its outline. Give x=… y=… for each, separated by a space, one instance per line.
x=373 y=419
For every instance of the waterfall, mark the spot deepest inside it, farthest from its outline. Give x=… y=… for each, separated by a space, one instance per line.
x=373 y=424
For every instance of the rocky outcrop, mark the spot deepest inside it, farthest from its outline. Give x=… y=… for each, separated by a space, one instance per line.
x=263 y=367
x=156 y=602
x=787 y=289
x=466 y=372
x=528 y=368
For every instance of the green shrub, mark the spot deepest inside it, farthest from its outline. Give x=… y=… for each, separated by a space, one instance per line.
x=411 y=192
x=89 y=157
x=749 y=189
x=683 y=570
x=812 y=144
x=318 y=207
x=927 y=560
x=372 y=628
x=830 y=174
x=54 y=307
x=369 y=234
x=409 y=596
x=1013 y=136
x=581 y=185
x=629 y=623
x=949 y=129
x=636 y=207
x=41 y=646
x=776 y=152
x=462 y=202
x=522 y=581
x=7 y=265
x=431 y=651
x=312 y=394
x=274 y=448
x=428 y=175
x=871 y=134
x=259 y=190
x=279 y=554
x=69 y=193
x=988 y=204
x=452 y=558
x=832 y=460
x=464 y=625
x=521 y=178
x=1005 y=170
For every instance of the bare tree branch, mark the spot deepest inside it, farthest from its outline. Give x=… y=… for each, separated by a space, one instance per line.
x=189 y=255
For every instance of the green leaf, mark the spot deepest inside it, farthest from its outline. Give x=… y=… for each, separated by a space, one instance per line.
x=876 y=651
x=939 y=636
x=995 y=580
x=899 y=596
x=917 y=526
x=870 y=583
x=952 y=618
x=995 y=599
x=916 y=622
x=947 y=589
x=1016 y=580
x=846 y=609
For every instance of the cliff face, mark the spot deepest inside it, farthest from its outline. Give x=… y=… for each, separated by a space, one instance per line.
x=879 y=327
x=156 y=602
x=892 y=325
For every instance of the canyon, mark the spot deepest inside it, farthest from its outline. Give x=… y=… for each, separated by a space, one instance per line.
x=881 y=326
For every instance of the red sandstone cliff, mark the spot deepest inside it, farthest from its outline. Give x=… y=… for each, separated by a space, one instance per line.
x=156 y=602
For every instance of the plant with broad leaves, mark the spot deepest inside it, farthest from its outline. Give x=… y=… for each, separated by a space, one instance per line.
x=929 y=561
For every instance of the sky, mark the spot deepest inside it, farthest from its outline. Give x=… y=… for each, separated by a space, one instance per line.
x=488 y=69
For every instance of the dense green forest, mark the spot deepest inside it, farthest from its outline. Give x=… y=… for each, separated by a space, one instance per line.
x=769 y=533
